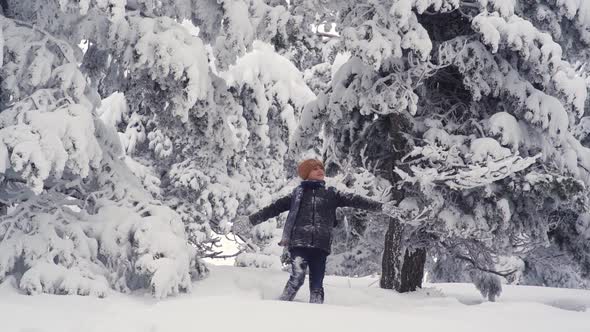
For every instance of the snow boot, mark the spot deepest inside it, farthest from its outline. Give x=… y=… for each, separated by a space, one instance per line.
x=316 y=295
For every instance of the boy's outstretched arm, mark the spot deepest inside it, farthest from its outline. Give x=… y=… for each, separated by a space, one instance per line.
x=346 y=199
x=272 y=210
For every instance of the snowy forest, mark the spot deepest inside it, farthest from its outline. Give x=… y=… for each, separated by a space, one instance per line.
x=136 y=134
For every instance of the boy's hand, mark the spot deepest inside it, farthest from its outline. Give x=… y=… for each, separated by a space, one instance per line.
x=284 y=243
x=286 y=257
x=241 y=225
x=408 y=213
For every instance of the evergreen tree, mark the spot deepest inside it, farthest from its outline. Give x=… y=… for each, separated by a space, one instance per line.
x=475 y=112
x=126 y=195
x=75 y=222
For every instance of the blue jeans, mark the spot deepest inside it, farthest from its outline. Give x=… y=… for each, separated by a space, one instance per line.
x=302 y=258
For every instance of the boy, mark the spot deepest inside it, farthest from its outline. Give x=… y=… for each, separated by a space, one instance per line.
x=308 y=230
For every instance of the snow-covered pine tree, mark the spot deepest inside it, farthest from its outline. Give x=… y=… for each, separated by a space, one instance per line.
x=484 y=99
x=564 y=263
x=76 y=220
x=530 y=101
x=360 y=110
x=271 y=93
x=231 y=148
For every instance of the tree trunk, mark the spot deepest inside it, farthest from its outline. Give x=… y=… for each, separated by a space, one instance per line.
x=402 y=270
x=4 y=8
x=390 y=271
x=412 y=270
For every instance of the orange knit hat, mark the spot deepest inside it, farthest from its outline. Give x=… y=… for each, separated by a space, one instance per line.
x=305 y=167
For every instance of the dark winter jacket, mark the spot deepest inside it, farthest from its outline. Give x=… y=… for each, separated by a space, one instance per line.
x=312 y=213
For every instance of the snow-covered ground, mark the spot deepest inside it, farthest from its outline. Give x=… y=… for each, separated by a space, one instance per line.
x=243 y=299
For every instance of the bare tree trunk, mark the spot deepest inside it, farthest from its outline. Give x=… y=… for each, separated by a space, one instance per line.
x=412 y=270
x=4 y=7
x=402 y=270
x=390 y=264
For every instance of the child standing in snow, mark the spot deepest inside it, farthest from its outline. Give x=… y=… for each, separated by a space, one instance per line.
x=308 y=230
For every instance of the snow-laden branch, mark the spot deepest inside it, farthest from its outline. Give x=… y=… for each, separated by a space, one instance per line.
x=463 y=176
